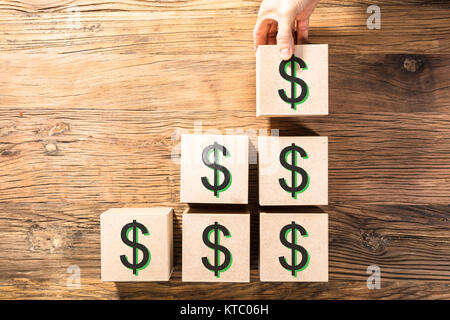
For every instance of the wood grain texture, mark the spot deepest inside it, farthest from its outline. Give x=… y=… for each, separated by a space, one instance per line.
x=214 y=26
x=91 y=115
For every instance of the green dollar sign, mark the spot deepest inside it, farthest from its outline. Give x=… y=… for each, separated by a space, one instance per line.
x=292 y=78
x=295 y=188
x=134 y=243
x=216 y=187
x=217 y=267
x=294 y=267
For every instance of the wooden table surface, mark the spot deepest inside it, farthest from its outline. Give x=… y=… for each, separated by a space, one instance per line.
x=91 y=112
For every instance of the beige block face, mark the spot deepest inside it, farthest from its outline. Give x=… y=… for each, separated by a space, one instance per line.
x=305 y=92
x=136 y=244
x=281 y=182
x=216 y=247
x=304 y=257
x=214 y=169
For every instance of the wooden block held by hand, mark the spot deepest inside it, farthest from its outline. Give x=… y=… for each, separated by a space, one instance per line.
x=214 y=169
x=293 y=170
x=293 y=246
x=136 y=244
x=216 y=246
x=285 y=91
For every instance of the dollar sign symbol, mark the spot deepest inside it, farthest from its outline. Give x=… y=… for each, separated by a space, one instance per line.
x=294 y=188
x=292 y=78
x=216 y=187
x=145 y=261
x=215 y=245
x=294 y=267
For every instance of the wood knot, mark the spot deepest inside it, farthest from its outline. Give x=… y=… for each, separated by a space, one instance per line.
x=48 y=239
x=410 y=65
x=8 y=153
x=54 y=130
x=413 y=64
x=7 y=130
x=50 y=148
x=374 y=241
x=58 y=128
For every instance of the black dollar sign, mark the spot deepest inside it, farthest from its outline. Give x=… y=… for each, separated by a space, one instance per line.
x=215 y=245
x=294 y=267
x=145 y=261
x=293 y=100
x=216 y=167
x=294 y=189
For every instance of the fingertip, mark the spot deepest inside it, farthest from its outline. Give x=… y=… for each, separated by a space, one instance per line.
x=255 y=48
x=258 y=43
x=285 y=53
x=260 y=34
x=285 y=40
x=302 y=31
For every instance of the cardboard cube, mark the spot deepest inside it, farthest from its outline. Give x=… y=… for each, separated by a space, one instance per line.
x=214 y=169
x=136 y=244
x=293 y=246
x=293 y=170
x=295 y=87
x=216 y=246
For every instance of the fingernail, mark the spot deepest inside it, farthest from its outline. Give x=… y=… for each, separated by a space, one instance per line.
x=285 y=54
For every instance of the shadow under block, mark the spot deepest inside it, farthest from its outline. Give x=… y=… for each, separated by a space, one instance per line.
x=285 y=91
x=216 y=246
x=293 y=170
x=303 y=254
x=136 y=244
x=214 y=169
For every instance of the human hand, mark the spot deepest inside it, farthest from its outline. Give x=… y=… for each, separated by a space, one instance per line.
x=286 y=16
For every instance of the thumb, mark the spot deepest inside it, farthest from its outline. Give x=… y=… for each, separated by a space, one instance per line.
x=285 y=39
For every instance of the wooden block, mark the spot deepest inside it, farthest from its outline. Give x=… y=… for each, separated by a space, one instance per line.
x=214 y=169
x=293 y=170
x=136 y=244
x=286 y=255
x=305 y=92
x=216 y=246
